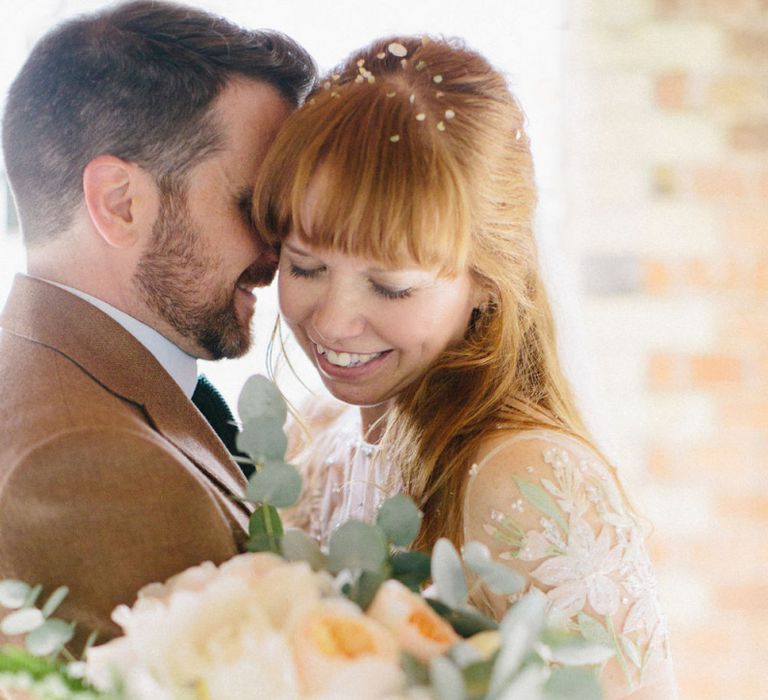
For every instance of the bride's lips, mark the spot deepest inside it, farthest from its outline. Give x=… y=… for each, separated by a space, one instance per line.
x=351 y=372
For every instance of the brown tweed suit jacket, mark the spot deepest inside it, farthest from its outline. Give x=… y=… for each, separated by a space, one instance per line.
x=109 y=476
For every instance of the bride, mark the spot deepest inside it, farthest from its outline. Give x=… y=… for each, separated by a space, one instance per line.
x=402 y=198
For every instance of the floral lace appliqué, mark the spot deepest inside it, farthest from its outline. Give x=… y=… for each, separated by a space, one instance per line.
x=588 y=551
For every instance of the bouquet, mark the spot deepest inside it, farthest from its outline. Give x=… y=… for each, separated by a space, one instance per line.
x=289 y=620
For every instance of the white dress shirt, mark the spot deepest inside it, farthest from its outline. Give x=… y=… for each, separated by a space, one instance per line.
x=181 y=366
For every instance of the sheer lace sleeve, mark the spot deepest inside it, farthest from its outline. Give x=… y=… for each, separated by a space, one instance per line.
x=548 y=507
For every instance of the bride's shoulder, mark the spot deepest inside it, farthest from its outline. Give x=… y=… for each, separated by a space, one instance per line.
x=543 y=467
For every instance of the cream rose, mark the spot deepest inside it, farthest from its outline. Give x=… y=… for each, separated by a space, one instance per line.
x=418 y=629
x=341 y=653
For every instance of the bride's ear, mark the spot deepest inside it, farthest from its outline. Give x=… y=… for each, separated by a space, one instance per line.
x=121 y=199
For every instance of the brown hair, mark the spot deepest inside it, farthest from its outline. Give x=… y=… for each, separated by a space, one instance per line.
x=426 y=155
x=136 y=81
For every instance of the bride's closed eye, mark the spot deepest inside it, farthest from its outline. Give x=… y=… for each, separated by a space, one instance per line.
x=296 y=271
x=312 y=273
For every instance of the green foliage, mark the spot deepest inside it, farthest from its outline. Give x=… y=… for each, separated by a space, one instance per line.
x=400 y=520
x=357 y=546
x=448 y=574
x=572 y=684
x=13 y=593
x=276 y=483
x=297 y=545
x=265 y=530
x=497 y=577
x=410 y=568
x=260 y=398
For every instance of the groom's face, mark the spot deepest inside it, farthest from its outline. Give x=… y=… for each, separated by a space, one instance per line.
x=199 y=272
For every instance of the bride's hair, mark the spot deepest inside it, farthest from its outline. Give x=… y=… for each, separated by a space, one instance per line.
x=424 y=155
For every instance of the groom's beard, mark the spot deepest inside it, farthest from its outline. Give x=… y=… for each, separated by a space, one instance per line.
x=176 y=278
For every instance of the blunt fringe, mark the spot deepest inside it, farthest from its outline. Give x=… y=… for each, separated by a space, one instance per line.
x=136 y=81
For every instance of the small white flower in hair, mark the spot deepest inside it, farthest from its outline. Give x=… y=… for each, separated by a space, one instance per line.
x=441 y=126
x=361 y=63
x=420 y=117
x=437 y=79
x=359 y=79
x=412 y=99
x=394 y=138
x=449 y=114
x=397 y=50
x=391 y=94
x=421 y=65
x=381 y=55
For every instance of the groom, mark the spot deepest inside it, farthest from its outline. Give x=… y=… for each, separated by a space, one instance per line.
x=132 y=139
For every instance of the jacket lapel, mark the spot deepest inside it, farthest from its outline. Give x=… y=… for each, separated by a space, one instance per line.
x=46 y=314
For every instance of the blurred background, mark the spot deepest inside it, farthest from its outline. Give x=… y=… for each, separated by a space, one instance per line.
x=649 y=123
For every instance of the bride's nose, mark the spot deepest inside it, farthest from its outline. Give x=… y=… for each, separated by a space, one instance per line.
x=337 y=315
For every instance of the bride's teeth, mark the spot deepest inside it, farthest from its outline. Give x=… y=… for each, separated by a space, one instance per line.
x=345 y=359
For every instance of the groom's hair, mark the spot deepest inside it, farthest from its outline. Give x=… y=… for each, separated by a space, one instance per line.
x=136 y=81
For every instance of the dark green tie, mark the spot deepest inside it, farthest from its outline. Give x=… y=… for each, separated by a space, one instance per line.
x=216 y=411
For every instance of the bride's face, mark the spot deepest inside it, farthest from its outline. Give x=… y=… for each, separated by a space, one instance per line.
x=369 y=330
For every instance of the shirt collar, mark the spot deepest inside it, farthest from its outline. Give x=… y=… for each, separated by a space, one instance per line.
x=181 y=366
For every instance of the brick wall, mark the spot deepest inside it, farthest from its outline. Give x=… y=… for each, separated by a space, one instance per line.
x=667 y=181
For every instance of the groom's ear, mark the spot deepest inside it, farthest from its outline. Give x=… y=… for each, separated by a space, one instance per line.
x=121 y=199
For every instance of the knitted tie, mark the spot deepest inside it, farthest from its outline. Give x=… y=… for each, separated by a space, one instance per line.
x=216 y=411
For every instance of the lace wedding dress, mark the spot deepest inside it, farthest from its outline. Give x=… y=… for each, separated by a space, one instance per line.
x=544 y=504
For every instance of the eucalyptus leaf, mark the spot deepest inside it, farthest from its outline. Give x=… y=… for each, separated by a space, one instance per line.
x=416 y=672
x=34 y=594
x=259 y=398
x=447 y=679
x=448 y=574
x=411 y=568
x=476 y=678
x=49 y=637
x=520 y=629
x=400 y=519
x=572 y=684
x=579 y=652
x=497 y=576
x=21 y=621
x=363 y=590
x=276 y=483
x=528 y=684
x=265 y=529
x=356 y=545
x=54 y=600
x=263 y=438
x=13 y=593
x=593 y=631
x=537 y=496
x=465 y=622
x=297 y=545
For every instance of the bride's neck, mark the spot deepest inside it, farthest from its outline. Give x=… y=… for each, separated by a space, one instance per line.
x=373 y=422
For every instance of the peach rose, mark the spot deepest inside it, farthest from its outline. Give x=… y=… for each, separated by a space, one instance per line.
x=341 y=653
x=417 y=627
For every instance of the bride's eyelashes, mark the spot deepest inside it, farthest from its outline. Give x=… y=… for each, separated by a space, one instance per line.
x=313 y=273
x=390 y=293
